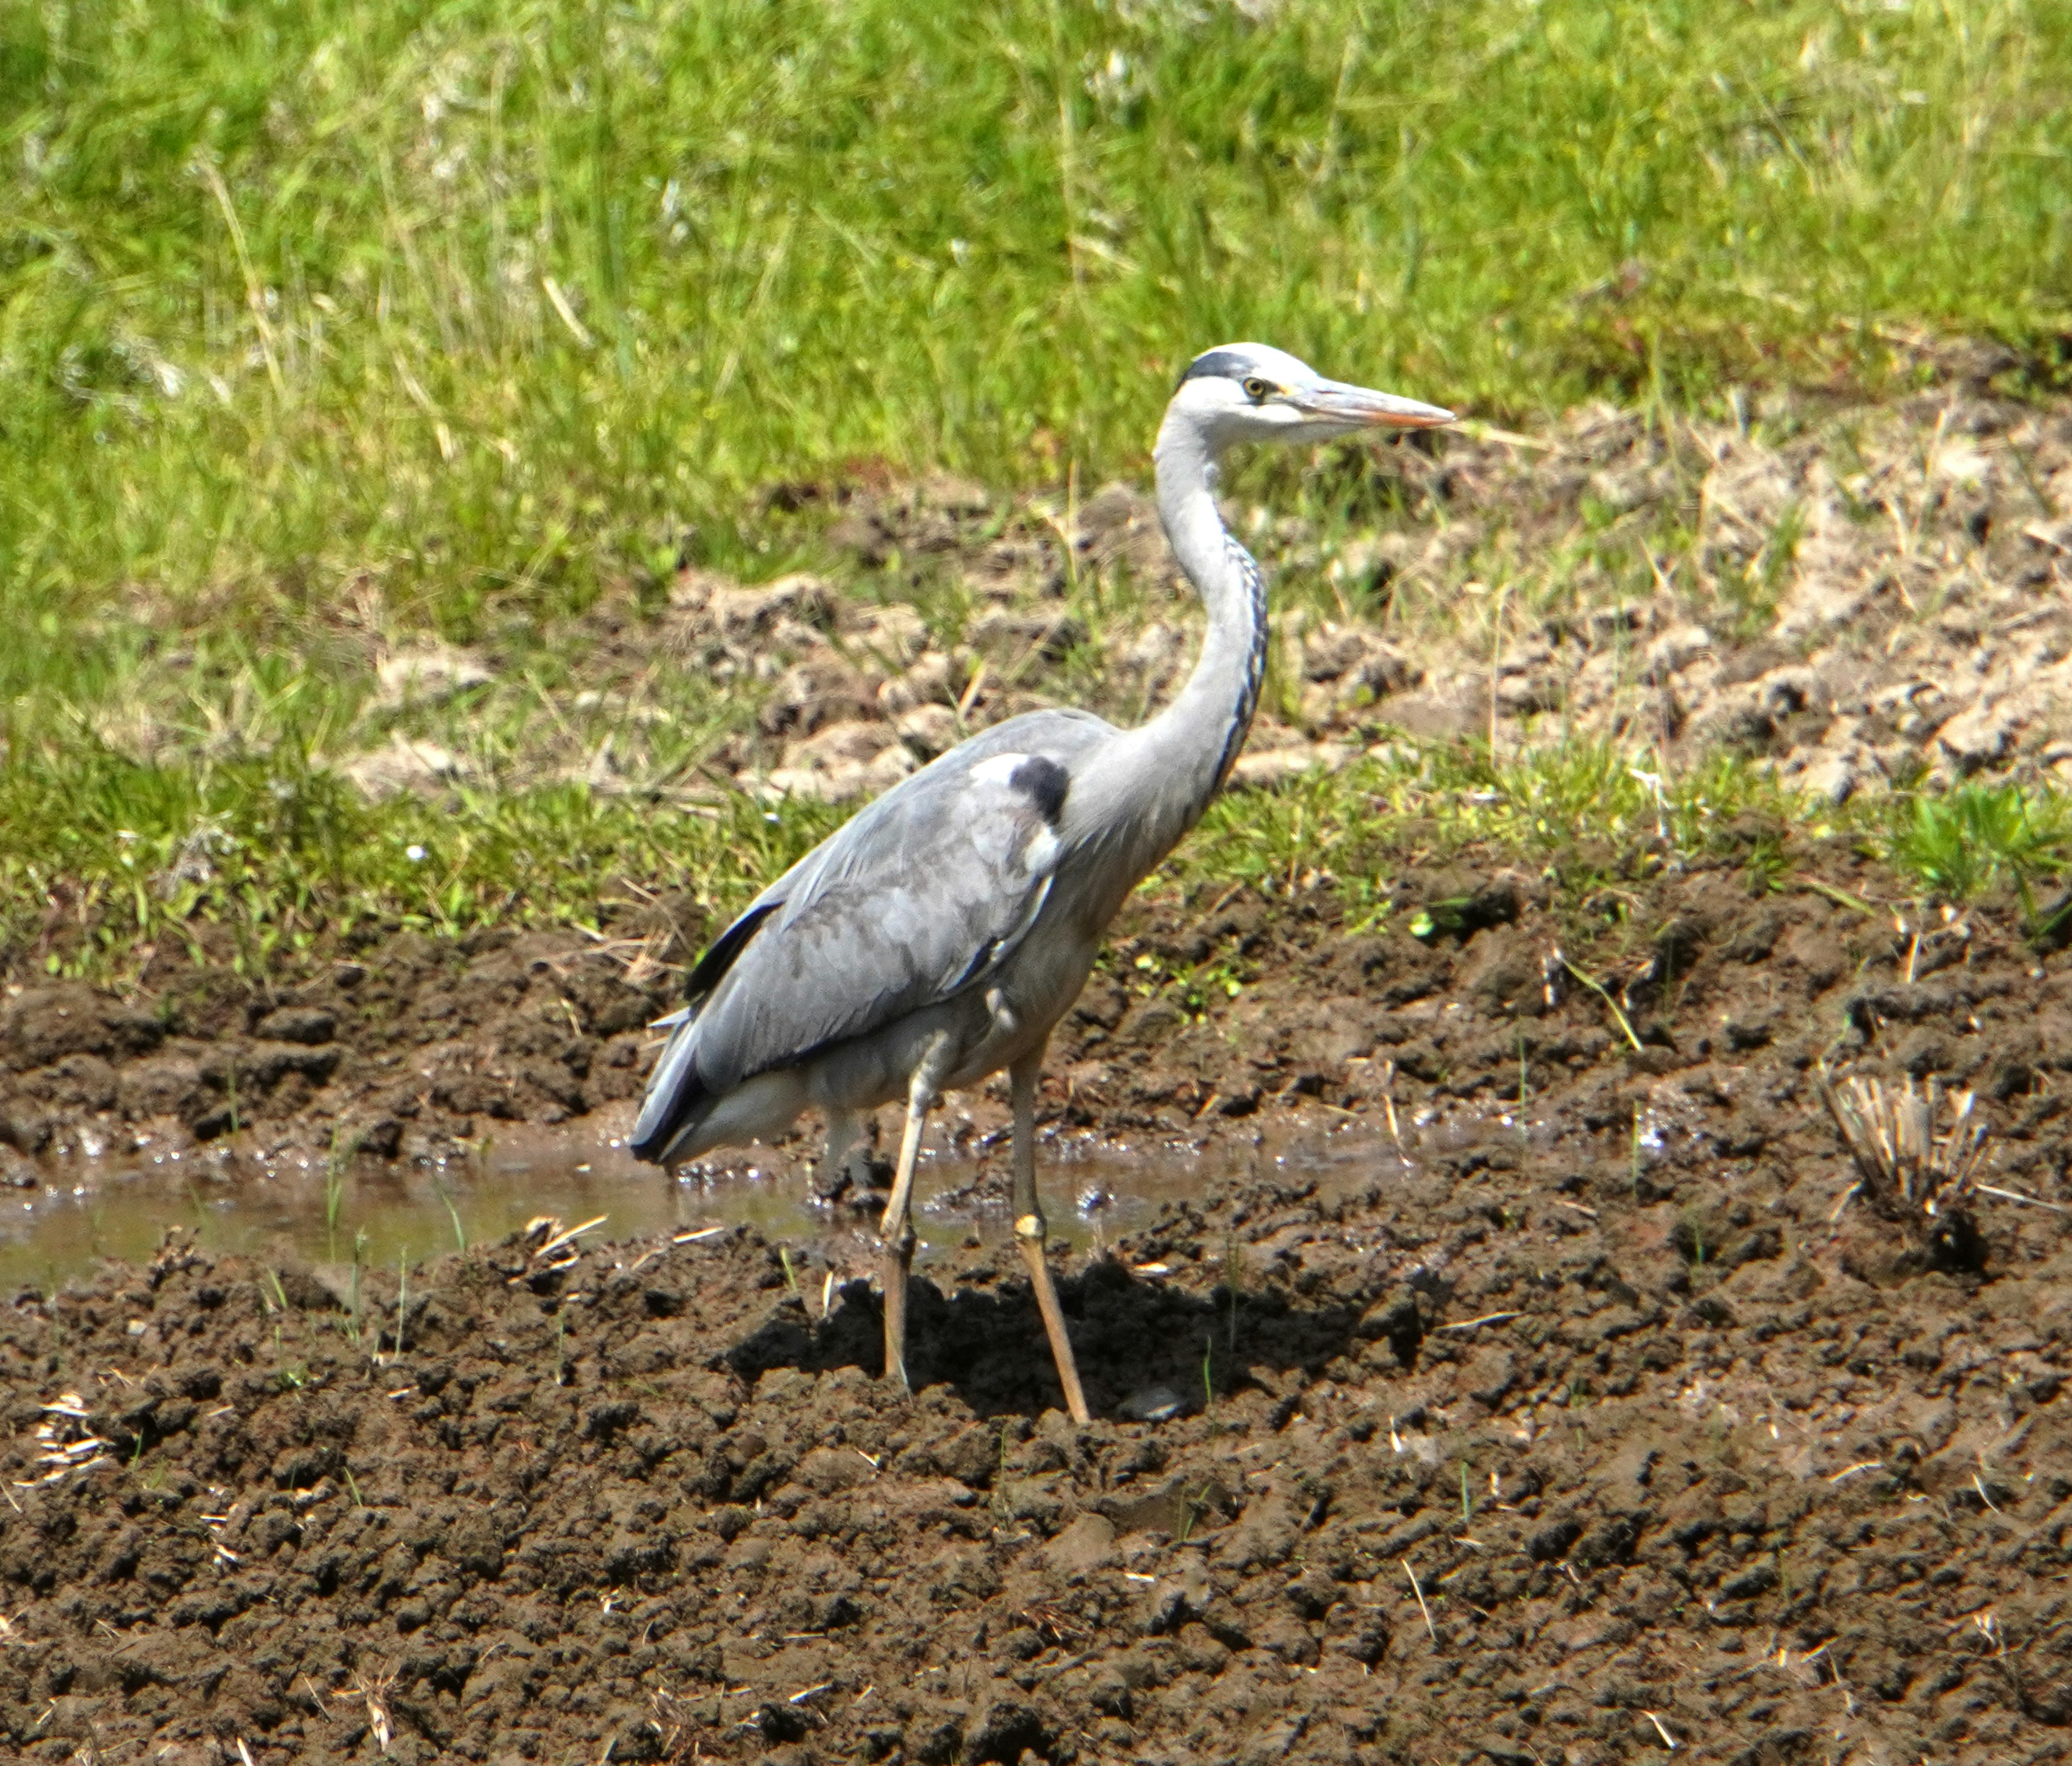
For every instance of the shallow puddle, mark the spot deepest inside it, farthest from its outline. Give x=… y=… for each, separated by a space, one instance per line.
x=88 y=1210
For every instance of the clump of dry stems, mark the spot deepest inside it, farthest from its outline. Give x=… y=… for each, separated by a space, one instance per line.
x=1906 y=1171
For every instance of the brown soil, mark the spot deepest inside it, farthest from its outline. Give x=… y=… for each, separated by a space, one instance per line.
x=1856 y=597
x=1563 y=1427
x=408 y=1046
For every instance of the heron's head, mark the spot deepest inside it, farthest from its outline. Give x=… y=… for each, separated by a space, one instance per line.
x=1254 y=393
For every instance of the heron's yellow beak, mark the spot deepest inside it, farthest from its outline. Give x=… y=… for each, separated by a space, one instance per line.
x=1359 y=406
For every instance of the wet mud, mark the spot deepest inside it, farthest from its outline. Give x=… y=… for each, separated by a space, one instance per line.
x=1520 y=1395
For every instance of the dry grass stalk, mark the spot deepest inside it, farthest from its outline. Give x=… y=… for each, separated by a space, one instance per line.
x=374 y=1688
x=1904 y=1170
x=674 y=1722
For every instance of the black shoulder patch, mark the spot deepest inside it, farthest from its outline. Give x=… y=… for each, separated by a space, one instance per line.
x=1227 y=363
x=730 y=944
x=1046 y=782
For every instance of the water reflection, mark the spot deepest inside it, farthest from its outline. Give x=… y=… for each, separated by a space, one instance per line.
x=89 y=1210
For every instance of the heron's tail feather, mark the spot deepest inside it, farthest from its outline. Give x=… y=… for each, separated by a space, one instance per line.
x=675 y=1092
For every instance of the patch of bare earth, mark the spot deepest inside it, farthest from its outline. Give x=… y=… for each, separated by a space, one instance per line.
x=1559 y=1419
x=1859 y=598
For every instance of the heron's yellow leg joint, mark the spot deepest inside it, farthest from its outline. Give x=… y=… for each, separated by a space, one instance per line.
x=1029 y=1226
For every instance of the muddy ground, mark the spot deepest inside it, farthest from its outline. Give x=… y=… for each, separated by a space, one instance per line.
x=1548 y=1413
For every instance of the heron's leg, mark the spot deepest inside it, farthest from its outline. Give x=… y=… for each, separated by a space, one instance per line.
x=837 y=1167
x=1028 y=1231
x=895 y=1232
x=863 y=1154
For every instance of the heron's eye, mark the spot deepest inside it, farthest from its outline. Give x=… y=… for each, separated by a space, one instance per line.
x=1256 y=390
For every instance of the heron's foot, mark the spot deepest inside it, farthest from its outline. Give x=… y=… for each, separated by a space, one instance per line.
x=860 y=1181
x=897 y=1267
x=1029 y=1234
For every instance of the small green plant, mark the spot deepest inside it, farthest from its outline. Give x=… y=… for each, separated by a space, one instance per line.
x=1767 y=864
x=1612 y=1006
x=790 y=1275
x=1764 y=581
x=445 y=1194
x=1467 y=1498
x=1003 y=1504
x=1209 y=1378
x=279 y=1303
x=352 y=1484
x=1963 y=843
x=2047 y=927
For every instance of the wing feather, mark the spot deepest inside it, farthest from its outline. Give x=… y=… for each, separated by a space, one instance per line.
x=923 y=894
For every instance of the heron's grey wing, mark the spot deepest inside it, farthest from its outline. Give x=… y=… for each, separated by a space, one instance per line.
x=923 y=894
x=1060 y=733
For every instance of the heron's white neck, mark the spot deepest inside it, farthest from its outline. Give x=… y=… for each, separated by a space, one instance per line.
x=1153 y=784
x=1200 y=733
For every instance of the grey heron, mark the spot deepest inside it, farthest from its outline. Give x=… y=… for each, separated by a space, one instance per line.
x=940 y=935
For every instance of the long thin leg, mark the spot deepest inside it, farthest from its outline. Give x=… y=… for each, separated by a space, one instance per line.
x=895 y=1232
x=838 y=1164
x=1029 y=1230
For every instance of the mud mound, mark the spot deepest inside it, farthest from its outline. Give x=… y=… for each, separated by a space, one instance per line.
x=1857 y=597
x=405 y=1041
x=1554 y=1417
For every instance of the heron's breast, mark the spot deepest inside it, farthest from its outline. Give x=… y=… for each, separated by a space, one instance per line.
x=1044 y=976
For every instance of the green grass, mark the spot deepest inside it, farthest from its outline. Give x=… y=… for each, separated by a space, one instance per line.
x=1579 y=804
x=287 y=859
x=292 y=864
x=325 y=322
x=278 y=283
x=1975 y=837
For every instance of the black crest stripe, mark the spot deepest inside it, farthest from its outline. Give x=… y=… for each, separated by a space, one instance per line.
x=1247 y=567
x=1228 y=362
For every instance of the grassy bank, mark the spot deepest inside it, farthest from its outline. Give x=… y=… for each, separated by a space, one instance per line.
x=352 y=316
x=295 y=868
x=488 y=302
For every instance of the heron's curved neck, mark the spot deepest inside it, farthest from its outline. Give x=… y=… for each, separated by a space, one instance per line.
x=1141 y=792
x=1198 y=736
